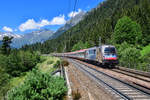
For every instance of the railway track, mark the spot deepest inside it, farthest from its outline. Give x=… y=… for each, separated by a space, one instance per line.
x=120 y=89
x=132 y=74
x=144 y=78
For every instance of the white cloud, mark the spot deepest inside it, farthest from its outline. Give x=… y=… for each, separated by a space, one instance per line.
x=31 y=24
x=72 y=14
x=59 y=20
x=43 y=22
x=7 y=29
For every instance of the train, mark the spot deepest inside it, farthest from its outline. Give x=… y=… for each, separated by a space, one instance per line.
x=105 y=55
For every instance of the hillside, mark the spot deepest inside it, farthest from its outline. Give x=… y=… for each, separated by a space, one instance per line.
x=33 y=37
x=41 y=35
x=27 y=38
x=100 y=22
x=70 y=23
x=25 y=72
x=0 y=43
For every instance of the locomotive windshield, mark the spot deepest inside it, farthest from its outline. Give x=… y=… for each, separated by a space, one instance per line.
x=110 y=50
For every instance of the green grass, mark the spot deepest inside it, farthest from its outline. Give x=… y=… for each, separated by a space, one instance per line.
x=55 y=86
x=17 y=81
x=47 y=65
x=145 y=50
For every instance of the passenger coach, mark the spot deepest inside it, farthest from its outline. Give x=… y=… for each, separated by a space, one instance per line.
x=105 y=55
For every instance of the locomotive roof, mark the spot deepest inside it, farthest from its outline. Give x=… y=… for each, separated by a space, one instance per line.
x=100 y=47
x=92 y=48
x=82 y=50
x=108 y=46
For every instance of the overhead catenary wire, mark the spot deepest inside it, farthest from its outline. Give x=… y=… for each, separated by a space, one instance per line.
x=74 y=9
x=68 y=11
x=73 y=14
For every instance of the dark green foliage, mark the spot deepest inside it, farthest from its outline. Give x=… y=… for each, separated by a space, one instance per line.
x=39 y=86
x=128 y=31
x=145 y=62
x=4 y=82
x=15 y=64
x=57 y=64
x=101 y=22
x=80 y=45
x=130 y=57
x=5 y=49
x=18 y=62
x=133 y=27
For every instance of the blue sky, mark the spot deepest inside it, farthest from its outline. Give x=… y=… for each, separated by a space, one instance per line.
x=21 y=16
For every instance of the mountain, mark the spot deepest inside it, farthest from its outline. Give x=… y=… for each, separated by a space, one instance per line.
x=1 y=43
x=27 y=38
x=100 y=22
x=10 y=34
x=31 y=38
x=70 y=23
x=42 y=34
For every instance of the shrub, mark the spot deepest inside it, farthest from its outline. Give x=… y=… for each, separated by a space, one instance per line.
x=39 y=86
x=122 y=47
x=129 y=56
x=145 y=62
x=65 y=63
x=50 y=62
x=145 y=51
x=4 y=83
x=80 y=45
x=128 y=31
x=76 y=95
x=19 y=61
x=57 y=64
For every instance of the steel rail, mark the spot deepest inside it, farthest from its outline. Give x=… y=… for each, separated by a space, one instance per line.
x=115 y=90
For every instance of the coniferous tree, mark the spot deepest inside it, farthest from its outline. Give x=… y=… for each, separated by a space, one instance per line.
x=5 y=49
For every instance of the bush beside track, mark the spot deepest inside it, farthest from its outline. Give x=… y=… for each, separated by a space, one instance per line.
x=39 y=84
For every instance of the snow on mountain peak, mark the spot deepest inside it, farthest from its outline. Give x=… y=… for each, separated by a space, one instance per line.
x=10 y=34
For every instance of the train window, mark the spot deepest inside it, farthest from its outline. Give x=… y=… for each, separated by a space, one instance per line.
x=110 y=50
x=92 y=51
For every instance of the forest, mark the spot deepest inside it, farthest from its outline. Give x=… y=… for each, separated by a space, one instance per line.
x=14 y=63
x=123 y=23
x=21 y=77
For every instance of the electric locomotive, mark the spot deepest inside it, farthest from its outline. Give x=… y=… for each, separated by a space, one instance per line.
x=108 y=55
x=104 y=54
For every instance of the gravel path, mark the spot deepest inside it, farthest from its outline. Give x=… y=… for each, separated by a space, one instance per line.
x=88 y=89
x=120 y=76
